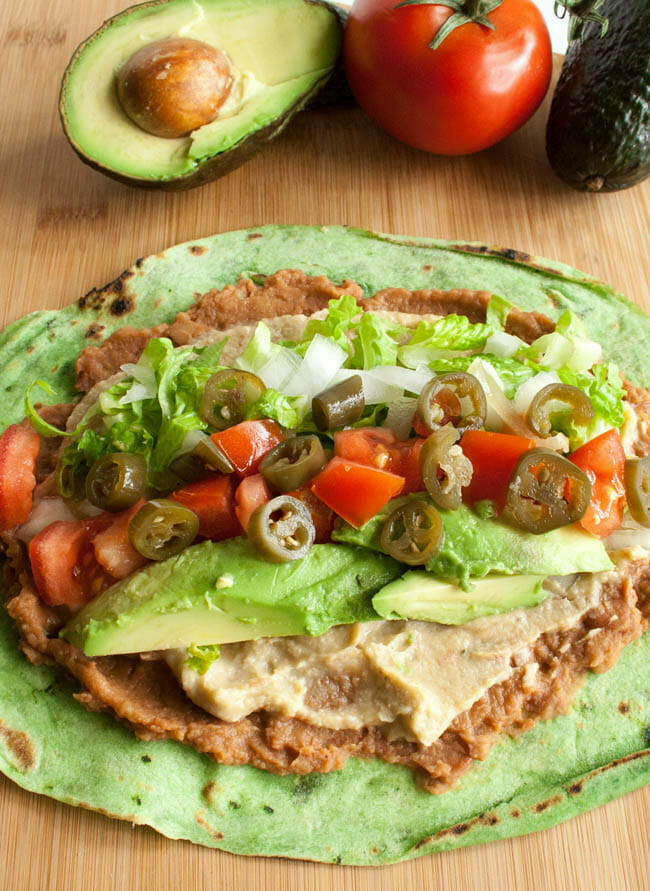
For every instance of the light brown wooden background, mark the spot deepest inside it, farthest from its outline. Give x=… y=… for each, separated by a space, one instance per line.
x=66 y=229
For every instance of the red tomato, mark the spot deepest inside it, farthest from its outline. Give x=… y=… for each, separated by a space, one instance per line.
x=19 y=447
x=603 y=460
x=379 y=447
x=493 y=457
x=113 y=549
x=213 y=501
x=354 y=491
x=246 y=444
x=475 y=89
x=249 y=495
x=63 y=562
x=322 y=517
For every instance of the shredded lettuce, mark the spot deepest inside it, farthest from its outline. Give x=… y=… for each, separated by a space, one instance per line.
x=154 y=427
x=451 y=333
x=288 y=411
x=512 y=372
x=336 y=324
x=604 y=387
x=35 y=419
x=497 y=312
x=377 y=341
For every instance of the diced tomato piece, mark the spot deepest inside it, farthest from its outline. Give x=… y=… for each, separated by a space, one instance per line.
x=113 y=549
x=322 y=516
x=493 y=457
x=379 y=447
x=249 y=495
x=603 y=460
x=246 y=444
x=63 y=562
x=19 y=447
x=366 y=445
x=213 y=501
x=355 y=491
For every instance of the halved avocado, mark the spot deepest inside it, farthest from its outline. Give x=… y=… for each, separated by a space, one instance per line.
x=281 y=53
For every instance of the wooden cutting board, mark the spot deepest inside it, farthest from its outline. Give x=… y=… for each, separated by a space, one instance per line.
x=66 y=229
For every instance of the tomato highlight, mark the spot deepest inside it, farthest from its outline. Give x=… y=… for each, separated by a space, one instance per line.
x=493 y=457
x=355 y=491
x=250 y=494
x=603 y=460
x=19 y=447
x=246 y=444
x=470 y=92
x=379 y=447
x=213 y=501
x=112 y=547
x=64 y=565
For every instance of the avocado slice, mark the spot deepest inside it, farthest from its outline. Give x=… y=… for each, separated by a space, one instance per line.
x=474 y=547
x=420 y=595
x=281 y=52
x=597 y=136
x=221 y=592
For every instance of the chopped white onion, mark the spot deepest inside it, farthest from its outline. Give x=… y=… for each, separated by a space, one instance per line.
x=630 y=534
x=527 y=391
x=191 y=440
x=414 y=381
x=144 y=385
x=48 y=510
x=501 y=414
x=400 y=416
x=418 y=354
x=375 y=391
x=312 y=375
x=280 y=369
x=553 y=350
x=585 y=354
x=503 y=345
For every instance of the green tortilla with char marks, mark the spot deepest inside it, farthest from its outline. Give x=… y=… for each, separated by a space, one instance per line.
x=560 y=768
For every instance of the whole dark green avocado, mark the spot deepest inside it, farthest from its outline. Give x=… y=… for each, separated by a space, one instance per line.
x=598 y=131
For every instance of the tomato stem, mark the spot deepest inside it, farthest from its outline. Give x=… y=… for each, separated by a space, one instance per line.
x=465 y=12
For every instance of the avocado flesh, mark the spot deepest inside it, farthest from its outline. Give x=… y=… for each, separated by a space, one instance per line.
x=222 y=592
x=474 y=547
x=420 y=595
x=281 y=52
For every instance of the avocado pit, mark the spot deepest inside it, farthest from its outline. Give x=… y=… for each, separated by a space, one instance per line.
x=173 y=86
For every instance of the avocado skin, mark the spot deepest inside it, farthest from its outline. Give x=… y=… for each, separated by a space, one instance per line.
x=225 y=162
x=598 y=131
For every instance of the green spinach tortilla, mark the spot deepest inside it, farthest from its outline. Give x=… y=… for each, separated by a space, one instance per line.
x=51 y=745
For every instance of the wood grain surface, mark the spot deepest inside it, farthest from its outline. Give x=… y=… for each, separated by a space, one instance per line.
x=66 y=229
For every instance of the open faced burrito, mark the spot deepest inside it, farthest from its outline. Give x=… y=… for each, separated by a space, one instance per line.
x=317 y=522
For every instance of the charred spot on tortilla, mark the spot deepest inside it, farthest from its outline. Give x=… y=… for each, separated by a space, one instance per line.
x=121 y=305
x=201 y=819
x=541 y=806
x=20 y=746
x=197 y=249
x=94 y=331
x=209 y=791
